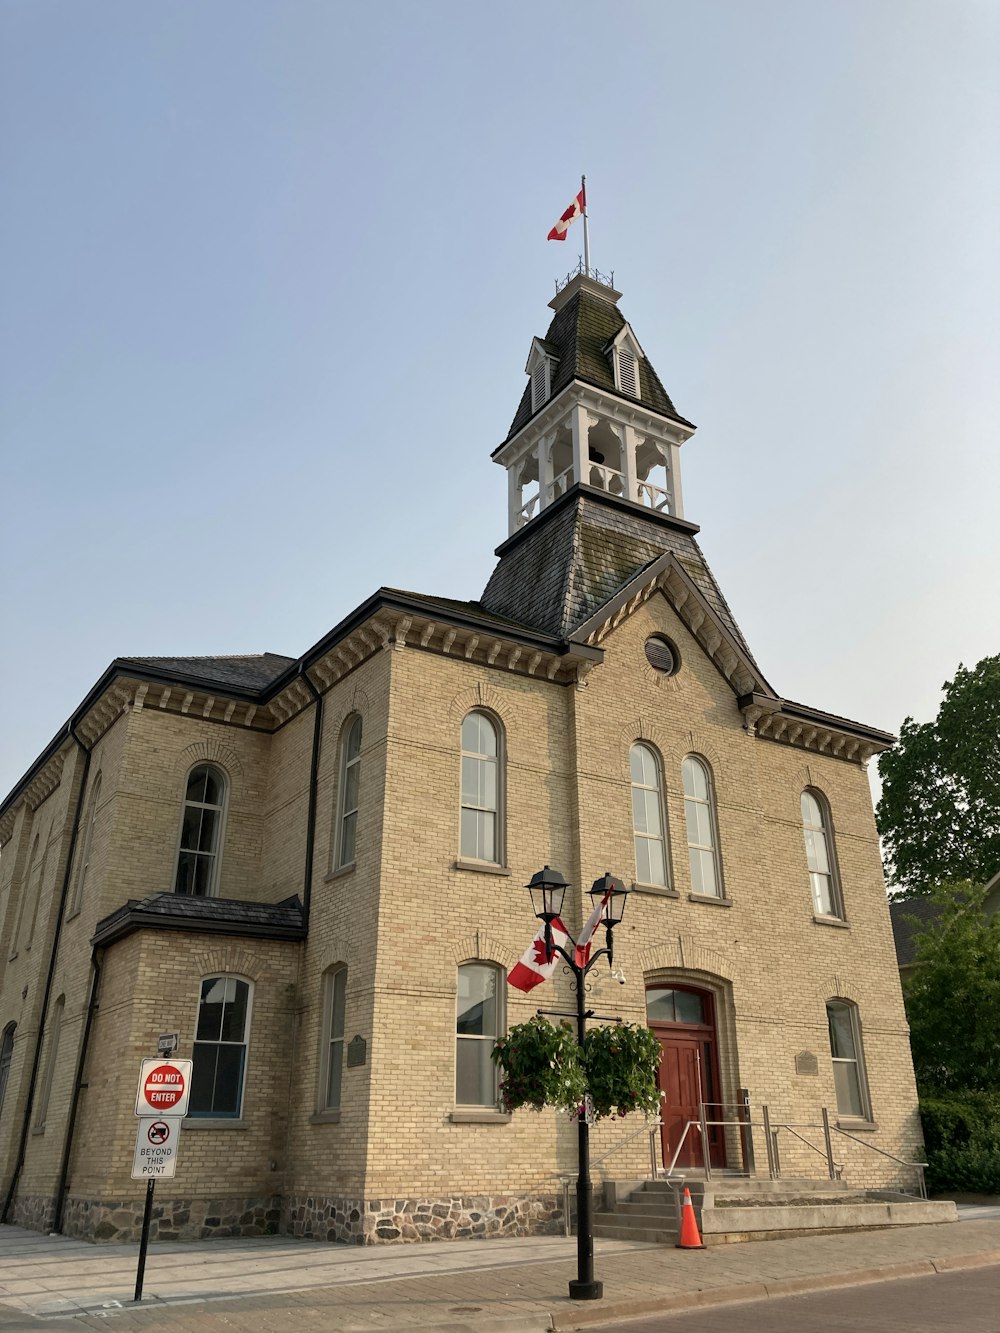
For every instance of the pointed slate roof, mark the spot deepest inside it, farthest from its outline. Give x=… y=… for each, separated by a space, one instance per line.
x=578 y=337
x=571 y=560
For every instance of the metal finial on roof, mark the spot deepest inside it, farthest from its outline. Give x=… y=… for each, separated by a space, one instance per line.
x=594 y=274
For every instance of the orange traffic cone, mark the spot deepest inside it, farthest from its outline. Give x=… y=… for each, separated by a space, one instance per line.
x=690 y=1237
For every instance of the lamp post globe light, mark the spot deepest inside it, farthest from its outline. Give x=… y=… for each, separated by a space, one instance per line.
x=548 y=889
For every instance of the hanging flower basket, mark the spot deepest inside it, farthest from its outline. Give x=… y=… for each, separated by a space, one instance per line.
x=542 y=1065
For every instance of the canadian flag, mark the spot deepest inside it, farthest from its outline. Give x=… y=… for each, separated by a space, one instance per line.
x=537 y=964
x=575 y=210
x=581 y=952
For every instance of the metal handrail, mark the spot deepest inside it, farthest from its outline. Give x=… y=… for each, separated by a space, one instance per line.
x=648 y=1127
x=919 y=1167
x=836 y=1166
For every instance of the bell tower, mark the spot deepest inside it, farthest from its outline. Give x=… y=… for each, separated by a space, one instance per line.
x=593 y=412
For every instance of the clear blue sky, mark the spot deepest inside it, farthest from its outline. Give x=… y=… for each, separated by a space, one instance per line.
x=270 y=271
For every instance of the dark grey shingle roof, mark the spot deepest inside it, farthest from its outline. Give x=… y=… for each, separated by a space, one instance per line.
x=904 y=930
x=232 y=916
x=579 y=335
x=252 y=671
x=572 y=559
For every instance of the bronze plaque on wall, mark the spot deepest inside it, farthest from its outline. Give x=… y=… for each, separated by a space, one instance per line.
x=357 y=1052
x=806 y=1063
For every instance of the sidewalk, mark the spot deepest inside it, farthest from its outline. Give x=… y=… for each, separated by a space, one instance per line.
x=508 y=1286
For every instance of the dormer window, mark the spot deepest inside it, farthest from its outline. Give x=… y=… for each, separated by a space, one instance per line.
x=539 y=368
x=540 y=384
x=625 y=357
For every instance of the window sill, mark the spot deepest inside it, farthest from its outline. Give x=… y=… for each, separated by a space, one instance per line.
x=482 y=867
x=37 y=1129
x=325 y=1118
x=71 y=916
x=656 y=890
x=853 y=1126
x=339 y=874
x=710 y=898
x=474 y=1115
x=836 y=921
x=213 y=1122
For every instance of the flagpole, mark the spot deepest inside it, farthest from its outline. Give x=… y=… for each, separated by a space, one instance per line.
x=586 y=228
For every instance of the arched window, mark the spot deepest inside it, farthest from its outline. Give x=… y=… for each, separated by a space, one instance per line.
x=478 y=1024
x=349 y=791
x=220 y=1047
x=819 y=855
x=480 y=834
x=30 y=893
x=702 y=833
x=648 y=817
x=87 y=849
x=45 y=1092
x=848 y=1063
x=6 y=1056
x=332 y=1055
x=201 y=832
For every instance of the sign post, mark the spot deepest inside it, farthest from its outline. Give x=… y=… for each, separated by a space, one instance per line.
x=161 y=1102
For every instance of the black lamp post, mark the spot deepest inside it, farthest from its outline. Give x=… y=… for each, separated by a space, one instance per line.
x=548 y=889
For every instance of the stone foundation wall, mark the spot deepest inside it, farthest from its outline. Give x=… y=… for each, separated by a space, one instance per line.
x=172 y=1219
x=36 y=1212
x=394 y=1221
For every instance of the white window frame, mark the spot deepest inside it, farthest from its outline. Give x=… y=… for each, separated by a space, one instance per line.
x=86 y=850
x=664 y=838
x=332 y=978
x=713 y=824
x=501 y=1027
x=500 y=762
x=220 y=840
x=225 y=1117
x=348 y=762
x=831 y=874
x=625 y=344
x=857 y=1060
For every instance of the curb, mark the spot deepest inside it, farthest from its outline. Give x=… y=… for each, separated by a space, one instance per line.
x=563 y=1321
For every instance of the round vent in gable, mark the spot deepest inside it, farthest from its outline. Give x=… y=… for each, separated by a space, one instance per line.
x=662 y=656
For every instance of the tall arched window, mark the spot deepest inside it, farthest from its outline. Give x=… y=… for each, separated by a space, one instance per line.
x=702 y=833
x=220 y=1047
x=201 y=832
x=332 y=1055
x=479 y=1022
x=819 y=855
x=648 y=817
x=45 y=1092
x=349 y=792
x=6 y=1056
x=87 y=848
x=30 y=893
x=480 y=833
x=848 y=1063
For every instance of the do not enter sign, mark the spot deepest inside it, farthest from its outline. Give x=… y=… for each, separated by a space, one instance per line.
x=164 y=1088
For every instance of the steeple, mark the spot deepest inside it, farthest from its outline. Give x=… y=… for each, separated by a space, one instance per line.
x=593 y=412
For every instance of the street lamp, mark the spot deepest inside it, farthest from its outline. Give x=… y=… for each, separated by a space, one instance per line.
x=548 y=889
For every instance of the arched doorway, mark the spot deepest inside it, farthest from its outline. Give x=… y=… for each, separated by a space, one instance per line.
x=683 y=1020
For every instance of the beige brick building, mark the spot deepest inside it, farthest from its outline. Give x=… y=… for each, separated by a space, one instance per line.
x=311 y=870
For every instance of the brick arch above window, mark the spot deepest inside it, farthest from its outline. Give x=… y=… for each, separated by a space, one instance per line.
x=683 y=954
x=213 y=752
x=639 y=731
x=484 y=698
x=834 y=987
x=355 y=703
x=479 y=947
x=229 y=960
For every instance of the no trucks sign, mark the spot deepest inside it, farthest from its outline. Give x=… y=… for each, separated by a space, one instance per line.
x=155 y=1155
x=164 y=1088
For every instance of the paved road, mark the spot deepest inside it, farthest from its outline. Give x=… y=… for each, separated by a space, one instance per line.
x=965 y=1302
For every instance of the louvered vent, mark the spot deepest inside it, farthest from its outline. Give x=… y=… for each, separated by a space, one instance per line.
x=626 y=373
x=539 y=385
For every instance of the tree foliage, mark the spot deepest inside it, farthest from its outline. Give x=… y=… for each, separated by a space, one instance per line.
x=952 y=995
x=939 y=815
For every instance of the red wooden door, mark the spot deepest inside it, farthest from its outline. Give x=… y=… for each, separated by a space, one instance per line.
x=688 y=1073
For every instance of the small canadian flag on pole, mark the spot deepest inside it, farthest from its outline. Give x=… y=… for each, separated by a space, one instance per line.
x=538 y=963
x=576 y=210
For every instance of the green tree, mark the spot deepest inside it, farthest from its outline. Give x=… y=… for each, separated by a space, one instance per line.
x=952 y=995
x=939 y=815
